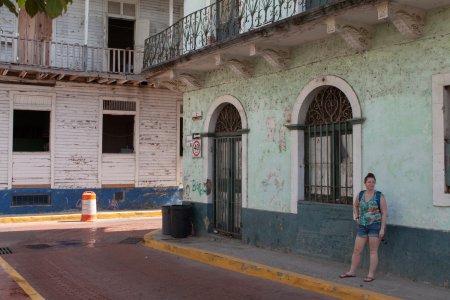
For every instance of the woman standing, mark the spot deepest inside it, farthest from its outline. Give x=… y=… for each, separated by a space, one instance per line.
x=370 y=209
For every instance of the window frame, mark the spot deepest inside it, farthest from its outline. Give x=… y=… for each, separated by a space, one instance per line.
x=42 y=102
x=121 y=15
x=136 y=114
x=49 y=129
x=134 y=128
x=440 y=195
x=296 y=122
x=180 y=142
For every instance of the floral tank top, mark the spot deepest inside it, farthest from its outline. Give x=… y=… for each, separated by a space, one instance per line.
x=369 y=212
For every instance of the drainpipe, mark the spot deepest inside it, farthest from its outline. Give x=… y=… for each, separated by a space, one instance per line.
x=170 y=12
x=86 y=27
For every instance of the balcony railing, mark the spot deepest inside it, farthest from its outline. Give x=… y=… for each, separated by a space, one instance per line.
x=72 y=57
x=217 y=23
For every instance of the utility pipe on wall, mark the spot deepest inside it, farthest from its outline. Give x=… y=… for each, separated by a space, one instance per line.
x=86 y=21
x=86 y=29
x=170 y=12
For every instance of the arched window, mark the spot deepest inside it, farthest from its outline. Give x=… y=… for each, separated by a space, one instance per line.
x=228 y=120
x=329 y=148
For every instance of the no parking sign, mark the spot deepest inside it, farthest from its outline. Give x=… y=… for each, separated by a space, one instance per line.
x=196 y=147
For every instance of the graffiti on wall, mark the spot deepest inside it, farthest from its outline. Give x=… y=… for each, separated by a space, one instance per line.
x=197 y=187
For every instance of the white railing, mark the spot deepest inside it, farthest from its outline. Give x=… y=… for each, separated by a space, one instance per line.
x=74 y=57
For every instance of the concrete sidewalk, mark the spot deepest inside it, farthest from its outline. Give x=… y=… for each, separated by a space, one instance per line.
x=304 y=272
x=77 y=216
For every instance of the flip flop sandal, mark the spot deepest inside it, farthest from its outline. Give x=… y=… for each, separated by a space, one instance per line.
x=368 y=279
x=346 y=275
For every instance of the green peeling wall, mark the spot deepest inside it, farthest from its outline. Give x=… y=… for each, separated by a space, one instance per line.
x=393 y=82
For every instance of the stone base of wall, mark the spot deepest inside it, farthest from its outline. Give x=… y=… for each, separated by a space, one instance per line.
x=63 y=200
x=327 y=231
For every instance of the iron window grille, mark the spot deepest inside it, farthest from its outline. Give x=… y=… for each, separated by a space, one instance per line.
x=329 y=149
x=31 y=200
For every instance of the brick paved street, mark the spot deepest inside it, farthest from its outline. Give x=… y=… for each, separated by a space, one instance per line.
x=105 y=260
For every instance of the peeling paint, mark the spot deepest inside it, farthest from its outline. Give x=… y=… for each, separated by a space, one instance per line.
x=206 y=222
x=392 y=81
x=271 y=123
x=282 y=142
x=273 y=179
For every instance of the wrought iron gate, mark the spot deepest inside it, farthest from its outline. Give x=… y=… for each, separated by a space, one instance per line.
x=228 y=185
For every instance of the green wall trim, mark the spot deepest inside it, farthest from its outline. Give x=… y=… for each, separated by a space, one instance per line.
x=214 y=134
x=303 y=127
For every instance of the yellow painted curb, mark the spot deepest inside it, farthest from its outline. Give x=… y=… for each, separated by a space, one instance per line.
x=26 y=287
x=77 y=217
x=265 y=272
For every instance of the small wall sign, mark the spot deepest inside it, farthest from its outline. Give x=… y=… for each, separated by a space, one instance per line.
x=197 y=115
x=196 y=147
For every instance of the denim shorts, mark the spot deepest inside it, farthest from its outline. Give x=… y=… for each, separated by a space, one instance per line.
x=372 y=230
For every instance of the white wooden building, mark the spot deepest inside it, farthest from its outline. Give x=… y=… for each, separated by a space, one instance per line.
x=76 y=113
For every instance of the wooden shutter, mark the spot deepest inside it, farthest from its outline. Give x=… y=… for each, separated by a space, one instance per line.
x=35 y=36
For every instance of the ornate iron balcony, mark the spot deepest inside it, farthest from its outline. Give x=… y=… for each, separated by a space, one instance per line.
x=217 y=23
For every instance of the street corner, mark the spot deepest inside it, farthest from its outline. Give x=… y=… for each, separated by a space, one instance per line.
x=154 y=240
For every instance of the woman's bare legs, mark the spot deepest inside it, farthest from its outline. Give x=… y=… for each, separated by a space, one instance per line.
x=374 y=243
x=360 y=242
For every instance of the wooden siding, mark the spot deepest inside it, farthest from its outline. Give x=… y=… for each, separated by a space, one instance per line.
x=76 y=132
x=178 y=13
x=69 y=28
x=157 y=11
x=158 y=138
x=76 y=142
x=118 y=168
x=31 y=168
x=4 y=127
x=7 y=21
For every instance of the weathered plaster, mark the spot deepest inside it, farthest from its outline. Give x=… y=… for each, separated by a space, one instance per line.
x=393 y=84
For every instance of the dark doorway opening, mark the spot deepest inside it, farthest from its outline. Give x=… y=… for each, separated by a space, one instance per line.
x=121 y=42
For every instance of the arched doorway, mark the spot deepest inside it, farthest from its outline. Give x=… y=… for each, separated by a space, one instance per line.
x=329 y=148
x=228 y=171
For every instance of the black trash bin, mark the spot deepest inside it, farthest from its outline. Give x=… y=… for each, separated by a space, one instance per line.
x=180 y=220
x=165 y=209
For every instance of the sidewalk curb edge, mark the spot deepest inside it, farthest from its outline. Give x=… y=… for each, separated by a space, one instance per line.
x=77 y=217
x=263 y=271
